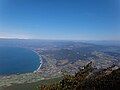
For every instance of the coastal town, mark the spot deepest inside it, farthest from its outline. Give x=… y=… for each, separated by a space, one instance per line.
x=63 y=57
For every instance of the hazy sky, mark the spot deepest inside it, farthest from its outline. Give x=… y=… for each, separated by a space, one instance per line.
x=60 y=19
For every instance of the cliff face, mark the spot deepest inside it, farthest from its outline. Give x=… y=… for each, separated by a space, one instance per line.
x=89 y=79
x=105 y=79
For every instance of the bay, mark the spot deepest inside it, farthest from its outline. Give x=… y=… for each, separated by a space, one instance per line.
x=16 y=60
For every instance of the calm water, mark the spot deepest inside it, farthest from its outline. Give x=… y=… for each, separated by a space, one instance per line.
x=15 y=60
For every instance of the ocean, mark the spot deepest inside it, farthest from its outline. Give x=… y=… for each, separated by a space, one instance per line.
x=16 y=60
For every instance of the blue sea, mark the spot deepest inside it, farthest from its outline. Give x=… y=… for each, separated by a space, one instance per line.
x=16 y=60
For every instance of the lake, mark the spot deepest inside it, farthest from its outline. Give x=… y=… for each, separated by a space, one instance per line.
x=16 y=60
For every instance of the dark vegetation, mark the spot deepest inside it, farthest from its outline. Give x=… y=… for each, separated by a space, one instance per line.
x=88 y=79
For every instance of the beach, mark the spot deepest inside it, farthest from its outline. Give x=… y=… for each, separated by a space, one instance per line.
x=41 y=61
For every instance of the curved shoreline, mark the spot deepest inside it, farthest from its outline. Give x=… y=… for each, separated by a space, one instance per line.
x=40 y=58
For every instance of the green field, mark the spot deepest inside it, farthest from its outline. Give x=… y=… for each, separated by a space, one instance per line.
x=31 y=86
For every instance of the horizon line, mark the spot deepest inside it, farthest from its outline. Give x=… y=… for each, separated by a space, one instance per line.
x=54 y=39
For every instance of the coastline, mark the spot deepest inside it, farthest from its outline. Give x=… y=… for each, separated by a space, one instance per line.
x=41 y=61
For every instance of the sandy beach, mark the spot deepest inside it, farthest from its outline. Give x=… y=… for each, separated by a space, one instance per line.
x=40 y=58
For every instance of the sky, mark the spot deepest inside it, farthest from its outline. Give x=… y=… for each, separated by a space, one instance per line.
x=60 y=19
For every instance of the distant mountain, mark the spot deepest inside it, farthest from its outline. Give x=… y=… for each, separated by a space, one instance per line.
x=105 y=42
